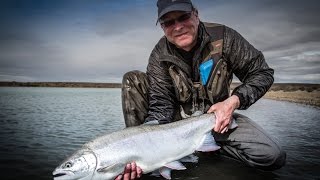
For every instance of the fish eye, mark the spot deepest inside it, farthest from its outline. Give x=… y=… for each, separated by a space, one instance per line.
x=68 y=165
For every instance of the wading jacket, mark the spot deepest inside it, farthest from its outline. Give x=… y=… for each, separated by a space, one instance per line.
x=241 y=59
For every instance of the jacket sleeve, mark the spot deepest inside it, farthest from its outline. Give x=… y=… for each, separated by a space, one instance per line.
x=249 y=65
x=161 y=91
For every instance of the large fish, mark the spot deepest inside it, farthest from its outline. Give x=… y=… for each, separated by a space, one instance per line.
x=153 y=148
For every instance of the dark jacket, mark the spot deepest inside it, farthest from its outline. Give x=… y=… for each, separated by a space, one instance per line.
x=246 y=62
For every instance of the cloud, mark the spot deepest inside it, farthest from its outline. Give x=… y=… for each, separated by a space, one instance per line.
x=287 y=32
x=100 y=41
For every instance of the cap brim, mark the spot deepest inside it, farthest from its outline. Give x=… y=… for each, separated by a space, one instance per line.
x=176 y=7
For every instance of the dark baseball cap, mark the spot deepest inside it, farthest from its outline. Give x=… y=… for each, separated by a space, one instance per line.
x=165 y=6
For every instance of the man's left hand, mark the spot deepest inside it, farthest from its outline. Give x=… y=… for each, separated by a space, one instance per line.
x=223 y=112
x=131 y=171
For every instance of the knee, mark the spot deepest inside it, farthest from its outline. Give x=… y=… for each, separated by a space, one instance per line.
x=276 y=159
x=133 y=77
x=273 y=158
x=129 y=76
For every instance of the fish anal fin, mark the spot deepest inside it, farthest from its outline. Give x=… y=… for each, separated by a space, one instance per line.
x=165 y=172
x=208 y=143
x=189 y=159
x=176 y=165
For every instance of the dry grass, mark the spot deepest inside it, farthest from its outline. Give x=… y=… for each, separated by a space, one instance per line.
x=293 y=92
x=304 y=97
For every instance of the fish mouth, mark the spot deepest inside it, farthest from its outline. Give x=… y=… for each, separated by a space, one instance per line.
x=61 y=174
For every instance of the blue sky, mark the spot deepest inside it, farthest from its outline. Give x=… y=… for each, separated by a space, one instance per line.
x=100 y=40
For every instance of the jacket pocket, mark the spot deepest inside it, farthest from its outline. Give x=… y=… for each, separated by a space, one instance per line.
x=182 y=88
x=218 y=87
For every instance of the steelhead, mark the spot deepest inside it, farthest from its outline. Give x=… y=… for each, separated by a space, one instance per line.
x=154 y=148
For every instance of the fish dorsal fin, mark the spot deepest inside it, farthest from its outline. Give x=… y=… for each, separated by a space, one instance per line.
x=189 y=159
x=176 y=165
x=110 y=168
x=165 y=172
x=208 y=143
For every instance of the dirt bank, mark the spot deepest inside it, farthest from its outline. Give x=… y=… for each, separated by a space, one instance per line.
x=304 y=97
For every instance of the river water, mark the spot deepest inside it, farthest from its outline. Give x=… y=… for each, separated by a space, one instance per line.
x=40 y=127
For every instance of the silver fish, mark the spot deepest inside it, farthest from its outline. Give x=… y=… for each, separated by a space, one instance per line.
x=154 y=148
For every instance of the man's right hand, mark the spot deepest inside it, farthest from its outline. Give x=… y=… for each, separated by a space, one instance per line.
x=223 y=112
x=131 y=171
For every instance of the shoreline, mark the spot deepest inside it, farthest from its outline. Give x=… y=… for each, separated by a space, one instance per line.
x=308 y=94
x=302 y=97
x=60 y=84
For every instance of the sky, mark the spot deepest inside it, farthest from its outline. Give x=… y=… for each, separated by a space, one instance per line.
x=100 y=40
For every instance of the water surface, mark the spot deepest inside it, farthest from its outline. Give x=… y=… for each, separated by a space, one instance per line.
x=40 y=127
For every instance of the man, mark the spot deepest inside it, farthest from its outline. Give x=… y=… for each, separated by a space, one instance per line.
x=175 y=85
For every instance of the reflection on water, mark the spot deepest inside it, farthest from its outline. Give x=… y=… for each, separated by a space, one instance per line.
x=42 y=126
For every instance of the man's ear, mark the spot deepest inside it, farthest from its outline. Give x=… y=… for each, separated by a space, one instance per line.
x=195 y=12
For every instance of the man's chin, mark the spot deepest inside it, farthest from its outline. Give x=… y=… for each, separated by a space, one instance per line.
x=184 y=40
x=184 y=45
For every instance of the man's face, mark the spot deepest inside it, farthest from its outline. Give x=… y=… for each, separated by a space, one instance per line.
x=183 y=32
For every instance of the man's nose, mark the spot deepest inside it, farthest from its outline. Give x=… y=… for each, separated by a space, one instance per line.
x=178 y=25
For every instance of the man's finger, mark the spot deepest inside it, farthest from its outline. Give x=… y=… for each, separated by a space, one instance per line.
x=224 y=130
x=118 y=177
x=139 y=172
x=211 y=109
x=133 y=170
x=217 y=126
x=225 y=124
x=127 y=172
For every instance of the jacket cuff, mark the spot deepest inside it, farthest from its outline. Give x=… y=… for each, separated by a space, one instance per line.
x=241 y=99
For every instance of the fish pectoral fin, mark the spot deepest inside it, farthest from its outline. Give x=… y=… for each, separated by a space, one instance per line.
x=110 y=168
x=190 y=159
x=176 y=165
x=208 y=143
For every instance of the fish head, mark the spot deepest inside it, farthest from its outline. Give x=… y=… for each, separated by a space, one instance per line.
x=80 y=165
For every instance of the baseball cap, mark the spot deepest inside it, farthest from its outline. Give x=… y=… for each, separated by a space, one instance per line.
x=165 y=6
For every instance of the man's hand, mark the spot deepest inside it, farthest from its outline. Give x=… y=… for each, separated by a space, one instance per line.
x=131 y=171
x=223 y=111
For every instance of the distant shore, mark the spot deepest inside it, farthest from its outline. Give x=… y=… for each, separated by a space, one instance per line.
x=303 y=97
x=293 y=92
x=60 y=84
x=308 y=94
